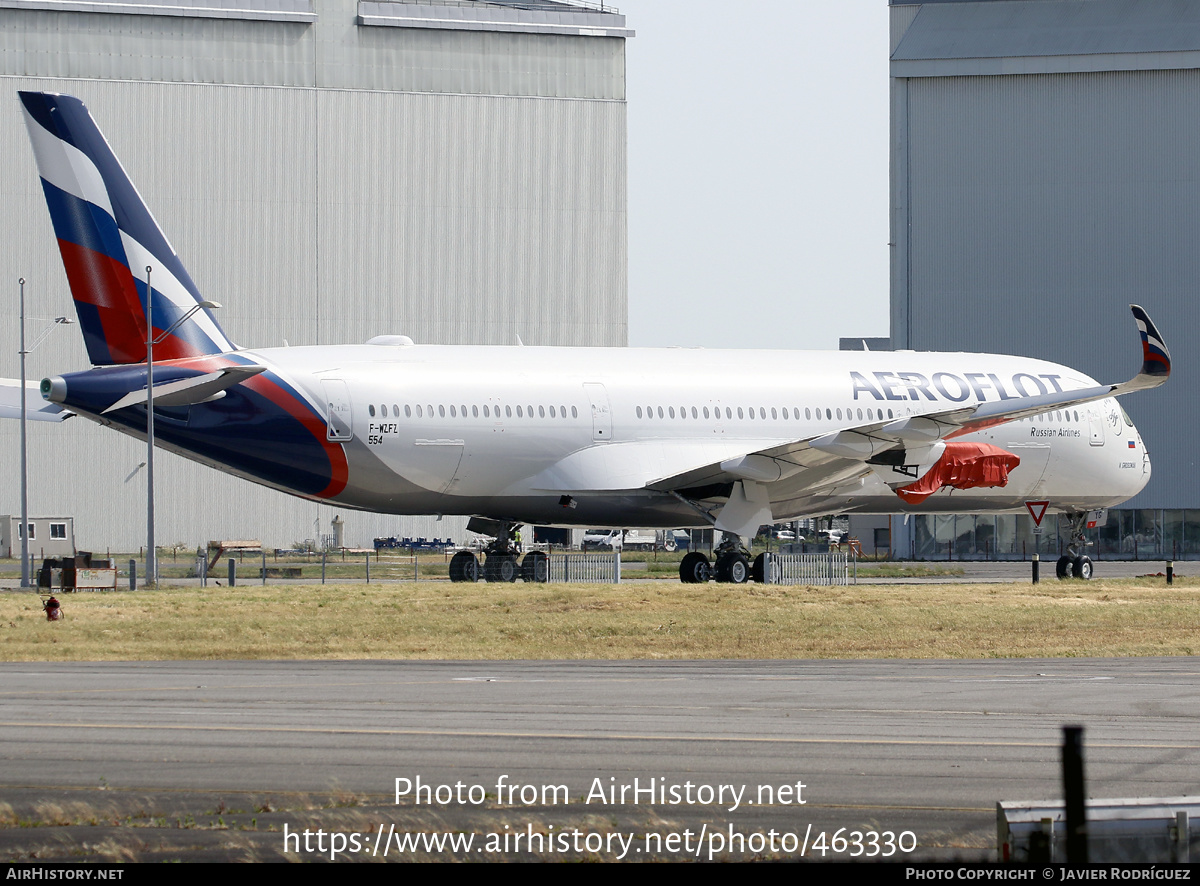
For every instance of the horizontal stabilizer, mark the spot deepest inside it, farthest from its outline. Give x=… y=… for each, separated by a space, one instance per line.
x=36 y=409
x=190 y=390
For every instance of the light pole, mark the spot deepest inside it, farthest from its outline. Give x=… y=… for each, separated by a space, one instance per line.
x=25 y=577
x=151 y=341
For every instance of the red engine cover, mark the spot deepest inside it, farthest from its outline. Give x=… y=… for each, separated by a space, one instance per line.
x=962 y=466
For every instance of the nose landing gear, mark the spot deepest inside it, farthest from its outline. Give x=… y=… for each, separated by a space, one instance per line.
x=1074 y=563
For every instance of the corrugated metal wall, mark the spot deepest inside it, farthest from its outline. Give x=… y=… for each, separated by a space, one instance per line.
x=1032 y=210
x=319 y=216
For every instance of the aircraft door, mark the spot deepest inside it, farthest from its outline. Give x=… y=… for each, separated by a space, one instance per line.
x=601 y=412
x=339 y=419
x=1095 y=426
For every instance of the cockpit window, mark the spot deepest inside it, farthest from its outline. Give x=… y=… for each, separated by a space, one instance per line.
x=1125 y=415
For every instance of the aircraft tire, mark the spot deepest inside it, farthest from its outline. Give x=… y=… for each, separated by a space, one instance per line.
x=1063 y=568
x=694 y=569
x=1081 y=567
x=737 y=570
x=758 y=570
x=535 y=568
x=464 y=567
x=500 y=567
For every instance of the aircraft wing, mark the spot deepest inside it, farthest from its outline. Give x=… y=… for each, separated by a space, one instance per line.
x=817 y=464
x=36 y=409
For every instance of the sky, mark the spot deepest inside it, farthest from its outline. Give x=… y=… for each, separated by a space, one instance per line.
x=758 y=172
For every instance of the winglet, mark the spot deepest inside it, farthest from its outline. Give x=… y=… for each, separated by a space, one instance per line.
x=1156 y=359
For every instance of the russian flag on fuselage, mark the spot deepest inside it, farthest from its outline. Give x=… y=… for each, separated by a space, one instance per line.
x=107 y=238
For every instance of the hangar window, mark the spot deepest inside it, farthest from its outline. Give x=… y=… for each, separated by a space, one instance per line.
x=58 y=530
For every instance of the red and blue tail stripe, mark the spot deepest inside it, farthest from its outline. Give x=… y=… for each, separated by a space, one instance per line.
x=107 y=238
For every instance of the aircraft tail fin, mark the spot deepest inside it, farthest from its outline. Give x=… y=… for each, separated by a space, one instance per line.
x=107 y=238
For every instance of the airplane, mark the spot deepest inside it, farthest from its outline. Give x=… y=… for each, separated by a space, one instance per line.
x=566 y=436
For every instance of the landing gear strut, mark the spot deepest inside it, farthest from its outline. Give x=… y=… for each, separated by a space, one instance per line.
x=732 y=564
x=1075 y=563
x=502 y=561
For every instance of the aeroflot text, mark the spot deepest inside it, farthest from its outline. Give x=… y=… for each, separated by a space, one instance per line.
x=952 y=387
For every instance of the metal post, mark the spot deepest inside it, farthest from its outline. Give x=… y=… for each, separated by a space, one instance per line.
x=232 y=572
x=1036 y=566
x=616 y=566
x=324 y=555
x=1170 y=572
x=416 y=568
x=24 y=457
x=768 y=569
x=133 y=575
x=368 y=568
x=264 y=567
x=151 y=560
x=1073 y=795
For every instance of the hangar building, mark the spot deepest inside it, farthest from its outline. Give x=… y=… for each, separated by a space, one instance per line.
x=1045 y=175
x=328 y=170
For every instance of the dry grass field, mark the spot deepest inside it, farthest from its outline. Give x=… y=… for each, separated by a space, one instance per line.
x=635 y=620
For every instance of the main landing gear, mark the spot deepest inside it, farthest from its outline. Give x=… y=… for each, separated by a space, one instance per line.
x=732 y=564
x=502 y=562
x=1074 y=563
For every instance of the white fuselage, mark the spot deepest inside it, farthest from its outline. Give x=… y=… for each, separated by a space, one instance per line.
x=510 y=431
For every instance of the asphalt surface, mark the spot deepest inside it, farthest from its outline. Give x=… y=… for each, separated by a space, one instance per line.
x=926 y=747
